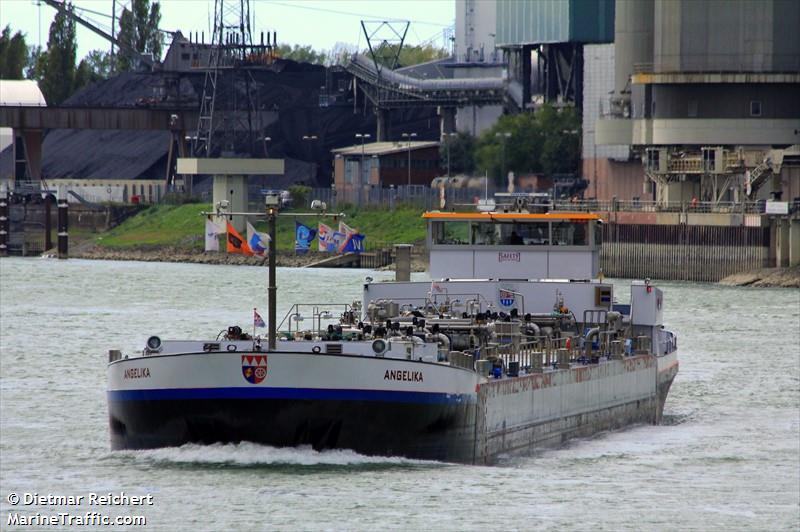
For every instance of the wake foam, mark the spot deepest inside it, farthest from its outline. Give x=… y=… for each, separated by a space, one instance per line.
x=250 y=454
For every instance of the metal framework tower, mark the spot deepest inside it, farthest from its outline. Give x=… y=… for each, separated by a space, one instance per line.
x=231 y=43
x=385 y=41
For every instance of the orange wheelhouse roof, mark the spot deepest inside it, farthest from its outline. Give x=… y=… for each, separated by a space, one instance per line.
x=510 y=216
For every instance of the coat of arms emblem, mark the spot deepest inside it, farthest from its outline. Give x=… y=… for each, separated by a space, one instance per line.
x=254 y=368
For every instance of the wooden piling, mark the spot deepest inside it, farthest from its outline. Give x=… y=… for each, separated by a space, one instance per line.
x=63 y=224
x=4 y=221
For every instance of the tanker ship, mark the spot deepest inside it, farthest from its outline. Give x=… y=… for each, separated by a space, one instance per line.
x=517 y=343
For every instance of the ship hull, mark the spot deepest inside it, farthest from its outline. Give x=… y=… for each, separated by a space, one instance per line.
x=432 y=412
x=426 y=431
x=372 y=406
x=545 y=410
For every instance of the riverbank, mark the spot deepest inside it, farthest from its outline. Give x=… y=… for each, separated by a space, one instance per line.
x=286 y=259
x=763 y=278
x=766 y=277
x=181 y=227
x=174 y=233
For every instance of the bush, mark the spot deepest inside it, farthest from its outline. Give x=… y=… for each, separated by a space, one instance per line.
x=299 y=195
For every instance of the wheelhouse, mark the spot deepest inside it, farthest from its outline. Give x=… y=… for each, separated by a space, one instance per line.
x=513 y=244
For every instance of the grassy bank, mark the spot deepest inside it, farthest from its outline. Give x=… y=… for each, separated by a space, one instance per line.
x=182 y=227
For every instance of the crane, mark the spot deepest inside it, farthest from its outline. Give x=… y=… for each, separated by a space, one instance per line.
x=145 y=59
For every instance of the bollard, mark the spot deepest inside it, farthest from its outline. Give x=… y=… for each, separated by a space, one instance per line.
x=4 y=220
x=63 y=223
x=536 y=361
x=616 y=350
x=402 y=265
x=563 y=359
x=48 y=222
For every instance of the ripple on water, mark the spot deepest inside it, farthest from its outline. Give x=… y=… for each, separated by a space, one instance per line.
x=725 y=458
x=249 y=455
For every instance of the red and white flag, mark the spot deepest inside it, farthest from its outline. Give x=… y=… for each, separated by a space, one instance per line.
x=258 y=321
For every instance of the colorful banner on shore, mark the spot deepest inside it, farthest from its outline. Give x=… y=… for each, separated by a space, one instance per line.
x=258 y=242
x=336 y=242
x=324 y=234
x=346 y=230
x=303 y=238
x=236 y=244
x=212 y=231
x=345 y=240
x=353 y=243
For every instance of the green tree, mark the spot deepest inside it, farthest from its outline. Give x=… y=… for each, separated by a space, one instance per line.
x=100 y=64
x=299 y=194
x=138 y=28
x=561 y=147
x=409 y=55
x=92 y=68
x=13 y=54
x=462 y=153
x=517 y=139
x=302 y=54
x=340 y=53
x=546 y=141
x=58 y=67
x=414 y=55
x=35 y=63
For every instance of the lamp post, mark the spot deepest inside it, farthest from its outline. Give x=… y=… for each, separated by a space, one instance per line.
x=409 y=136
x=310 y=139
x=363 y=137
x=447 y=138
x=272 y=202
x=503 y=137
x=266 y=140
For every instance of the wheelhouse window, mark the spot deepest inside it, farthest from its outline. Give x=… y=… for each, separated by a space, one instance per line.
x=451 y=233
x=524 y=234
x=598 y=233
x=514 y=233
x=510 y=233
x=570 y=233
x=485 y=234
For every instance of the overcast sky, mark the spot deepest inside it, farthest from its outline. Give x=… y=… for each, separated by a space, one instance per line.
x=320 y=23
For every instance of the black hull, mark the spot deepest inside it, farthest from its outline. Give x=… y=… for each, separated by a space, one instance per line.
x=444 y=431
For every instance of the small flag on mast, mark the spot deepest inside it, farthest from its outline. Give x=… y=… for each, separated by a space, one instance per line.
x=237 y=244
x=212 y=230
x=258 y=321
x=258 y=242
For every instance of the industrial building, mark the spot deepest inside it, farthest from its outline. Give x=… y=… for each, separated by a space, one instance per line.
x=475 y=55
x=536 y=46
x=360 y=168
x=612 y=171
x=680 y=99
x=707 y=94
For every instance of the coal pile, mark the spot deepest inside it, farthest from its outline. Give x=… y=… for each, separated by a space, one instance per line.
x=289 y=100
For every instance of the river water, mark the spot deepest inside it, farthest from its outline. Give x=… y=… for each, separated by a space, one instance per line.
x=727 y=457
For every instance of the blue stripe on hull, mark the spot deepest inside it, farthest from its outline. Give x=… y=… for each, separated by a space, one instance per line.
x=288 y=393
